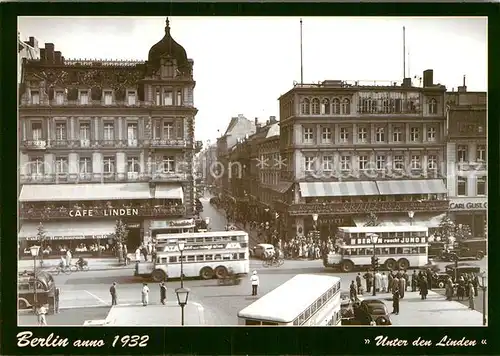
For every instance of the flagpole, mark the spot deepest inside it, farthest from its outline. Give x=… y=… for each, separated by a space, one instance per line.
x=301 y=57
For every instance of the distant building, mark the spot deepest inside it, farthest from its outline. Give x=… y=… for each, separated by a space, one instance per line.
x=27 y=50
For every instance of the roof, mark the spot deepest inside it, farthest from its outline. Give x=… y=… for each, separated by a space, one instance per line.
x=304 y=289
x=273 y=130
x=231 y=125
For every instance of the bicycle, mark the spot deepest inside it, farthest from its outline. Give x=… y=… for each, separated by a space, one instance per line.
x=273 y=262
x=78 y=267
x=66 y=269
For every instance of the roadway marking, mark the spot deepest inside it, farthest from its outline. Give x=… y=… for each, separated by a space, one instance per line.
x=96 y=297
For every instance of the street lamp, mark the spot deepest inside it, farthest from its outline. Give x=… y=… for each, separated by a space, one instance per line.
x=181 y=245
x=483 y=283
x=182 y=299
x=374 y=238
x=315 y=219
x=411 y=214
x=34 y=253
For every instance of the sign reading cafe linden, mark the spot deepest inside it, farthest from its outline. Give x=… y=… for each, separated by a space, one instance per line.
x=104 y=212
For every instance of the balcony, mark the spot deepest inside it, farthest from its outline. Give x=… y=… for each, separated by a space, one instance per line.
x=169 y=177
x=480 y=166
x=158 y=143
x=50 y=212
x=34 y=144
x=365 y=207
x=60 y=178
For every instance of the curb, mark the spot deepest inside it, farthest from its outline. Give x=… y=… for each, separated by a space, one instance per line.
x=49 y=269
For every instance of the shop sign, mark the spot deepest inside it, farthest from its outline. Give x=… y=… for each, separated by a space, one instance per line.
x=204 y=247
x=187 y=223
x=460 y=204
x=103 y=212
x=133 y=225
x=390 y=240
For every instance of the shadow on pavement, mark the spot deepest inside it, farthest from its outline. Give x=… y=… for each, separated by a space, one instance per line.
x=225 y=295
x=105 y=280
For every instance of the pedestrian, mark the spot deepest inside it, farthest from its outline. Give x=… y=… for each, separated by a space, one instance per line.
x=395 y=299
x=57 y=292
x=461 y=289
x=385 y=283
x=145 y=294
x=414 y=281
x=378 y=281
x=407 y=280
x=471 y=295
x=390 y=277
x=429 y=278
x=449 y=289
x=402 y=286
x=423 y=288
x=395 y=284
x=114 y=295
x=475 y=283
x=138 y=254
x=42 y=315
x=368 y=278
x=68 y=258
x=353 y=292
x=163 y=293
x=144 y=252
x=358 y=282
x=255 y=282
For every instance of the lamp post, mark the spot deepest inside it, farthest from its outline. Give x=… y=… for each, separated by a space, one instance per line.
x=483 y=283
x=411 y=214
x=181 y=245
x=34 y=253
x=182 y=299
x=374 y=238
x=277 y=225
x=315 y=219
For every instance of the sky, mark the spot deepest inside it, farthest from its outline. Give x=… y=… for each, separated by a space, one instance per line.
x=243 y=64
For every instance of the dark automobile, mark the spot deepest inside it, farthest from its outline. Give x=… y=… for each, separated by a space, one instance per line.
x=439 y=279
x=368 y=311
x=466 y=250
x=436 y=249
x=456 y=270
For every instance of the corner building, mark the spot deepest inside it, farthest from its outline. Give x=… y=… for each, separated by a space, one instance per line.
x=102 y=140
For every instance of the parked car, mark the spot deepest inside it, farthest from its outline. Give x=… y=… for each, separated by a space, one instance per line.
x=466 y=250
x=436 y=249
x=456 y=270
x=369 y=310
x=258 y=250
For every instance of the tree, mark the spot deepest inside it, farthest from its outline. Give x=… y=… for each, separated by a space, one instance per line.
x=372 y=220
x=120 y=237
x=463 y=232
x=41 y=238
x=446 y=228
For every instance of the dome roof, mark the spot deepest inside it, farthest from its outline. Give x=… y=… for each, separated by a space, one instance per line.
x=168 y=47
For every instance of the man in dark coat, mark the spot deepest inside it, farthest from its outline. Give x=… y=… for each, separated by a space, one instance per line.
x=429 y=278
x=358 y=282
x=390 y=277
x=475 y=283
x=407 y=280
x=353 y=292
x=144 y=252
x=423 y=288
x=395 y=300
x=114 y=294
x=163 y=293
x=369 y=279
x=414 y=281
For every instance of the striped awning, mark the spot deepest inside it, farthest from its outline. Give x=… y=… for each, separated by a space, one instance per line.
x=419 y=219
x=70 y=230
x=337 y=189
x=420 y=186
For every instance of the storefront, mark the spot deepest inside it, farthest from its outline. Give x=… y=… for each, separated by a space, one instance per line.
x=471 y=211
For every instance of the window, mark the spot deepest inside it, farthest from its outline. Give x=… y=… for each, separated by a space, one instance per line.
x=305 y=106
x=308 y=135
x=481 y=153
x=380 y=162
x=61 y=131
x=386 y=106
x=168 y=164
x=59 y=97
x=345 y=163
x=131 y=98
x=336 y=106
x=172 y=259
x=109 y=164
x=108 y=98
x=346 y=107
x=398 y=163
x=363 y=162
x=432 y=106
x=35 y=97
x=168 y=97
x=325 y=107
x=397 y=134
x=218 y=257
x=132 y=134
x=158 y=97
x=61 y=165
x=133 y=165
x=85 y=134
x=481 y=185
x=84 y=97
x=179 y=98
x=199 y=258
x=327 y=163
x=309 y=166
x=209 y=257
x=315 y=106
x=362 y=134
x=85 y=165
x=190 y=258
x=36 y=166
x=109 y=132
x=431 y=134
x=326 y=135
x=380 y=134
x=461 y=186
x=168 y=130
x=414 y=134
x=415 y=162
x=463 y=151
x=432 y=162
x=344 y=135
x=36 y=130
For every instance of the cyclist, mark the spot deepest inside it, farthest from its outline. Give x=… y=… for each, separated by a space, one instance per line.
x=62 y=263
x=81 y=262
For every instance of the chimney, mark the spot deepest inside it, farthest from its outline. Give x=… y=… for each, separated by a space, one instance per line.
x=463 y=88
x=62 y=59
x=272 y=119
x=57 y=57
x=406 y=83
x=428 y=78
x=256 y=121
x=49 y=52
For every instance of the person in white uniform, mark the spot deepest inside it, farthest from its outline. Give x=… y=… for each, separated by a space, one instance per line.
x=145 y=294
x=255 y=282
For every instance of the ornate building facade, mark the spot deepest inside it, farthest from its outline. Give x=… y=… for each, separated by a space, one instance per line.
x=106 y=139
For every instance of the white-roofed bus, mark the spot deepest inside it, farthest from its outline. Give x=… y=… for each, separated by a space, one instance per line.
x=304 y=300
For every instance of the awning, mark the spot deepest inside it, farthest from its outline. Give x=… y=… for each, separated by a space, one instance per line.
x=337 y=189
x=419 y=219
x=69 y=230
x=281 y=187
x=420 y=186
x=169 y=191
x=74 y=192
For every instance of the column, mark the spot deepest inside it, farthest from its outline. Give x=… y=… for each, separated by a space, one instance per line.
x=73 y=163
x=121 y=161
x=49 y=133
x=318 y=134
x=120 y=128
x=424 y=133
x=72 y=129
x=471 y=185
x=424 y=163
x=354 y=134
x=472 y=152
x=407 y=133
x=24 y=162
x=372 y=133
x=390 y=128
x=97 y=129
x=49 y=163
x=97 y=166
x=336 y=162
x=336 y=138
x=142 y=163
x=24 y=130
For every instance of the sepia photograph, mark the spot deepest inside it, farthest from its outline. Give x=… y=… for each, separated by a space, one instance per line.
x=252 y=171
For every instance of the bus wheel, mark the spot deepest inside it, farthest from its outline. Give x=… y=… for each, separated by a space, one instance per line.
x=206 y=273
x=347 y=266
x=220 y=272
x=390 y=264
x=158 y=275
x=403 y=264
x=479 y=255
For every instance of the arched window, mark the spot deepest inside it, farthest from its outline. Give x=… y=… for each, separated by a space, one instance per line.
x=346 y=107
x=325 y=107
x=305 y=106
x=315 y=106
x=336 y=106
x=432 y=106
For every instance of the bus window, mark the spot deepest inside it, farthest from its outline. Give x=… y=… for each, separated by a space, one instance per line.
x=209 y=239
x=218 y=257
x=378 y=251
x=392 y=234
x=190 y=241
x=199 y=239
x=209 y=257
x=406 y=250
x=318 y=303
x=234 y=238
x=183 y=258
x=252 y=322
x=226 y=257
x=307 y=313
x=296 y=322
x=392 y=250
x=234 y=256
x=368 y=251
x=190 y=258
x=338 y=285
x=422 y=249
x=314 y=308
x=217 y=238
x=244 y=245
x=199 y=258
x=348 y=251
x=163 y=260
x=324 y=298
x=242 y=256
x=172 y=259
x=385 y=251
x=301 y=319
x=399 y=234
x=399 y=250
x=268 y=323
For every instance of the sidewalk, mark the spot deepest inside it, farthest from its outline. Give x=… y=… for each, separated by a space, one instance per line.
x=434 y=311
x=156 y=315
x=95 y=264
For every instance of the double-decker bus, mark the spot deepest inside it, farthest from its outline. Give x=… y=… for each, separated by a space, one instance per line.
x=45 y=290
x=205 y=254
x=398 y=247
x=303 y=300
